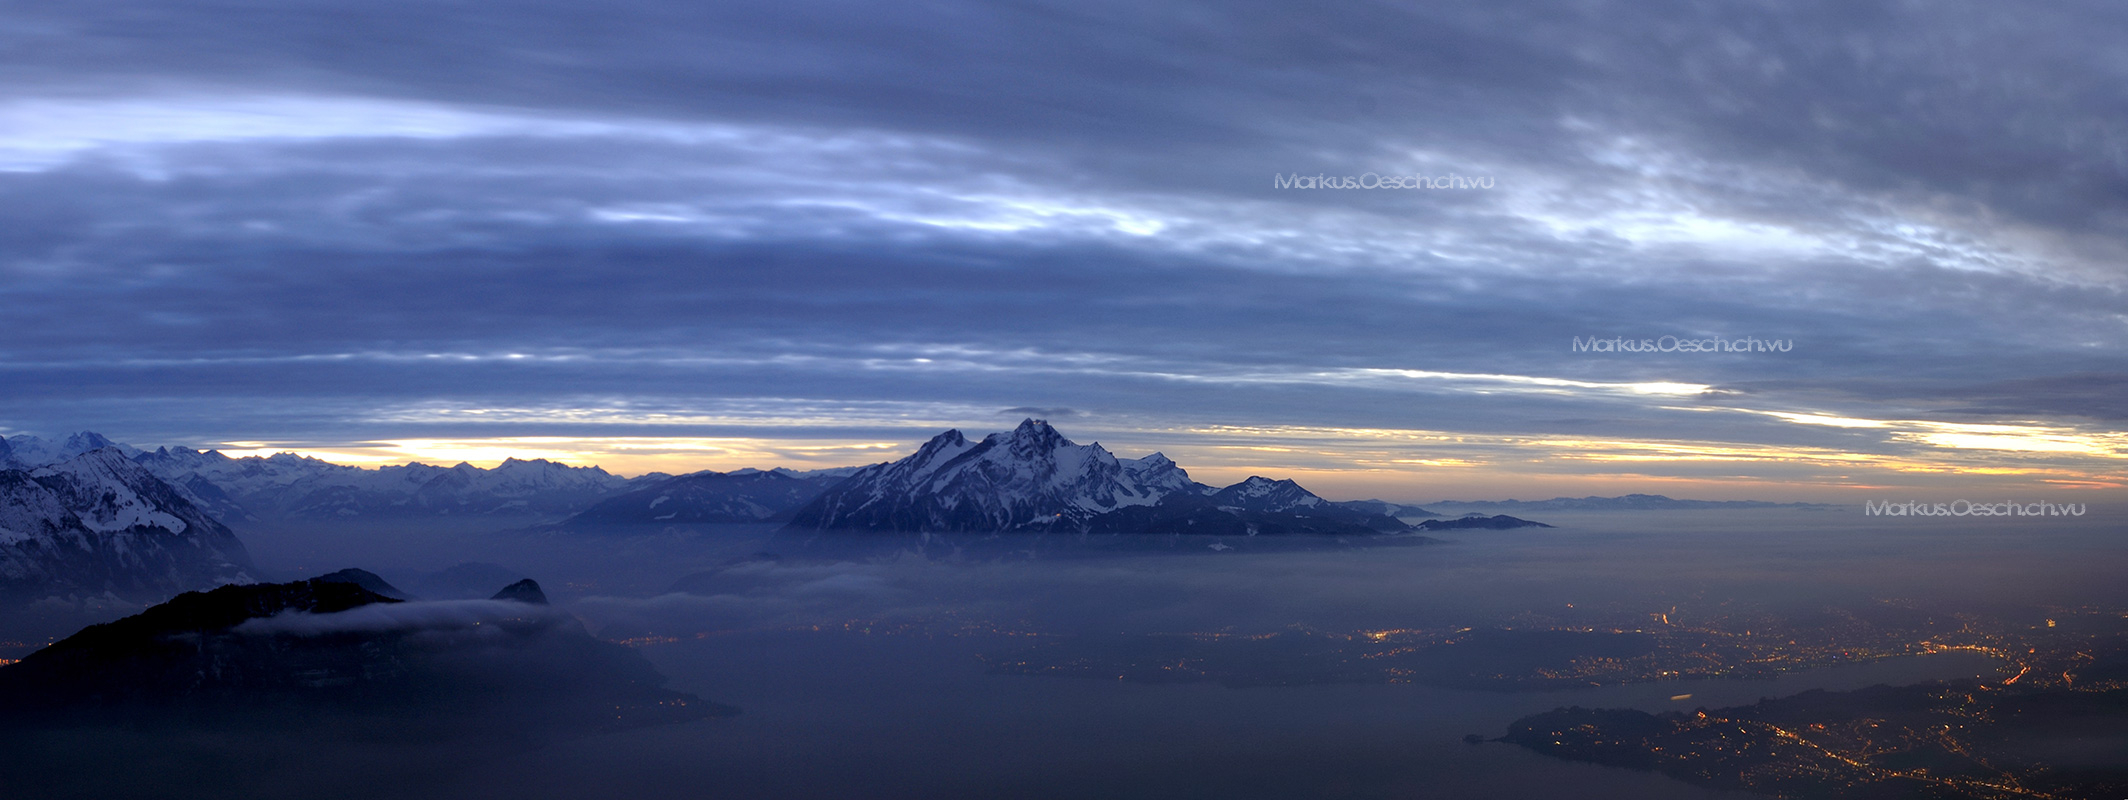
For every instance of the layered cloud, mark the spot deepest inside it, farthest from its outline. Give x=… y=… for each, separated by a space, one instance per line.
x=732 y=232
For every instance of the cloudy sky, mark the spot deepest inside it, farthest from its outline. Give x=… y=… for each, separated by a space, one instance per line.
x=683 y=235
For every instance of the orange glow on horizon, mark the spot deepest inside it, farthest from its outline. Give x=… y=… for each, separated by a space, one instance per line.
x=1340 y=463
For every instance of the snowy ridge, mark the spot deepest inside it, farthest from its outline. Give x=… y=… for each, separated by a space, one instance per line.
x=291 y=486
x=104 y=490
x=23 y=451
x=1029 y=479
x=1036 y=481
x=801 y=474
x=747 y=495
x=98 y=523
x=1264 y=494
x=288 y=487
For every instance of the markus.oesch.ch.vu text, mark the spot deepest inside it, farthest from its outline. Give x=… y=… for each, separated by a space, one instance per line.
x=1672 y=344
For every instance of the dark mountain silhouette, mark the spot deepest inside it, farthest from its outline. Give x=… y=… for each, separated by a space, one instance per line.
x=331 y=646
x=1497 y=522
x=708 y=497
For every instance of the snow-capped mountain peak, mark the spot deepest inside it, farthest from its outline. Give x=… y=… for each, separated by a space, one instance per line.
x=1033 y=438
x=936 y=453
x=106 y=490
x=1258 y=493
x=1159 y=471
x=1030 y=478
x=31 y=451
x=98 y=522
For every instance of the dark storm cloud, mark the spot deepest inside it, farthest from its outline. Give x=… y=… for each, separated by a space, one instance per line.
x=294 y=215
x=2098 y=396
x=2095 y=396
x=1987 y=105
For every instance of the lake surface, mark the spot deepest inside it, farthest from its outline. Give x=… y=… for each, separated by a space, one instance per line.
x=847 y=715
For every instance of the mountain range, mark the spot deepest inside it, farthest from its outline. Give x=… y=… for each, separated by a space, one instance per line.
x=289 y=488
x=747 y=495
x=286 y=486
x=1033 y=480
x=23 y=451
x=85 y=516
x=1030 y=479
x=95 y=523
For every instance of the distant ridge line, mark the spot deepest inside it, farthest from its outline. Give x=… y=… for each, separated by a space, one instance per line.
x=1628 y=502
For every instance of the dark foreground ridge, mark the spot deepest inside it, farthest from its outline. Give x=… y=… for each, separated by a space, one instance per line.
x=524 y=591
x=341 y=646
x=367 y=580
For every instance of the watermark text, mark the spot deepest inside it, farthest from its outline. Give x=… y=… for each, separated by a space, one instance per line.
x=1375 y=180
x=1968 y=508
x=1673 y=344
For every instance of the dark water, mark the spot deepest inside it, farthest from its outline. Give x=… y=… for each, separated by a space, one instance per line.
x=847 y=715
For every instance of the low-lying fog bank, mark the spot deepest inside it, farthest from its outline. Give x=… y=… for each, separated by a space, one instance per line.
x=878 y=673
